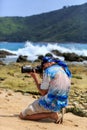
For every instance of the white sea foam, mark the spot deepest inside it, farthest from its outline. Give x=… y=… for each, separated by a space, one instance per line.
x=33 y=50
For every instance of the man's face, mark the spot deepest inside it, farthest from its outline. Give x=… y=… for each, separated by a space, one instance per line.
x=48 y=64
x=45 y=65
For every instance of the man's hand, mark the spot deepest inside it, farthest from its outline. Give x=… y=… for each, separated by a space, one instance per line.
x=33 y=74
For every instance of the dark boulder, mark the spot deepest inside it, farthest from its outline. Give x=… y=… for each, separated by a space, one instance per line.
x=3 y=53
x=21 y=58
x=70 y=56
x=74 y=57
x=57 y=53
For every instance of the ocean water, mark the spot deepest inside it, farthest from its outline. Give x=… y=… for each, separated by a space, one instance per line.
x=33 y=50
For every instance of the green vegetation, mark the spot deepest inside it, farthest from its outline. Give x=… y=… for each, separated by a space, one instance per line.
x=65 y=25
x=76 y=111
x=77 y=77
x=12 y=78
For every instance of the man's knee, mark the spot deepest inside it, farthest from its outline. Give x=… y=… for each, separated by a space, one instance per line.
x=21 y=116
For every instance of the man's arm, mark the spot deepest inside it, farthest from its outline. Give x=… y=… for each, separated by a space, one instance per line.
x=42 y=92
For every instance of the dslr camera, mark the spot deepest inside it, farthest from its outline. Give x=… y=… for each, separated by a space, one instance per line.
x=28 y=69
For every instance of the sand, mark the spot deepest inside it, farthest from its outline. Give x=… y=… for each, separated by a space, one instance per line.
x=11 y=104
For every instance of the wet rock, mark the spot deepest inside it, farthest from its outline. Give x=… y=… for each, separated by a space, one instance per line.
x=70 y=56
x=22 y=58
x=56 y=52
x=4 y=53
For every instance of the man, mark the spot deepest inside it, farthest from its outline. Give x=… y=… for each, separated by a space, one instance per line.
x=54 y=90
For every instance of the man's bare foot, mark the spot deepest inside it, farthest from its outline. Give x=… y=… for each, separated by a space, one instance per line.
x=56 y=117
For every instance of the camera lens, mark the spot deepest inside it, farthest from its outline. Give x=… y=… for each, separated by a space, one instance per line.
x=26 y=69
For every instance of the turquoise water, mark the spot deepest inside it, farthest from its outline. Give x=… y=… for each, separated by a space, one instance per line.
x=12 y=46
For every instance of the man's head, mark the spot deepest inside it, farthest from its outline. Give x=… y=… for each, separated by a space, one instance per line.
x=47 y=62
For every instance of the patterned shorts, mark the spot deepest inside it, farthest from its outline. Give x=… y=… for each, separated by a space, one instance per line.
x=34 y=108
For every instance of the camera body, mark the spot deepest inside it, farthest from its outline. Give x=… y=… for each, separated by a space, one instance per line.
x=28 y=69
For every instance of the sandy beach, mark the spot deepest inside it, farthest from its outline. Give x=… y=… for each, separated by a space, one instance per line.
x=11 y=103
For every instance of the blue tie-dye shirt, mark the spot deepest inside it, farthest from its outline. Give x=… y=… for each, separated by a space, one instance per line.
x=56 y=81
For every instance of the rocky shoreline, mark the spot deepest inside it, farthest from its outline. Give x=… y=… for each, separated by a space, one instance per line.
x=67 y=56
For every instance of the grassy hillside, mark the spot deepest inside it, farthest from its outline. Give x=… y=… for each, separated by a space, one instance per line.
x=65 y=25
